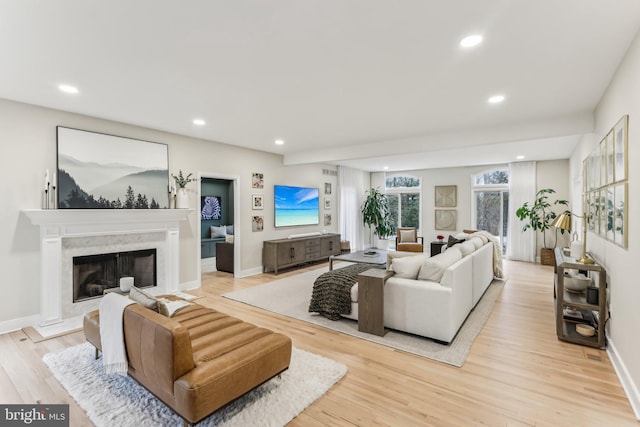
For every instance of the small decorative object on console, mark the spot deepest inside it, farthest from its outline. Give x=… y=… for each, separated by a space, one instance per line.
x=440 y=237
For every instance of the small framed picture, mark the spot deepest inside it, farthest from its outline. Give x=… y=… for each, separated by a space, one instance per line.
x=327 y=219
x=446 y=219
x=257 y=202
x=327 y=203
x=257 y=180
x=446 y=196
x=257 y=223
x=327 y=188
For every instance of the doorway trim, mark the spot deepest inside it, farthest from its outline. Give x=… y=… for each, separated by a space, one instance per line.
x=237 y=229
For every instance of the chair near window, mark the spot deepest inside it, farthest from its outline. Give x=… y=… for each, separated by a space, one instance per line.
x=407 y=240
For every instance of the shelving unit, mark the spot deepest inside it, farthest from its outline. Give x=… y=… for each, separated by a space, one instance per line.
x=594 y=314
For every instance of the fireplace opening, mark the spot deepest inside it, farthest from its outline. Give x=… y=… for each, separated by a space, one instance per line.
x=93 y=274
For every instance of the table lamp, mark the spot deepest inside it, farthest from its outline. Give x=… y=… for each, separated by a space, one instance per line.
x=563 y=222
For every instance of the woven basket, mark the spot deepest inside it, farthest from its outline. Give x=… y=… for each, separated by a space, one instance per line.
x=547 y=257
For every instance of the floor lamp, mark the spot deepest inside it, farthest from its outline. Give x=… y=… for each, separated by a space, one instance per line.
x=563 y=222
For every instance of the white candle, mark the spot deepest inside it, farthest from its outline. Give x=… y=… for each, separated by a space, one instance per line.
x=53 y=183
x=46 y=180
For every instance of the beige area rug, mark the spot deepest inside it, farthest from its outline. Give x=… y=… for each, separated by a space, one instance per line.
x=291 y=296
x=114 y=400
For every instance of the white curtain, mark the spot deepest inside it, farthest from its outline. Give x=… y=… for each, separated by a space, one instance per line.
x=352 y=185
x=522 y=188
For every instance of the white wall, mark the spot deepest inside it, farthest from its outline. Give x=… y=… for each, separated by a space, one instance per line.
x=621 y=97
x=554 y=174
x=29 y=147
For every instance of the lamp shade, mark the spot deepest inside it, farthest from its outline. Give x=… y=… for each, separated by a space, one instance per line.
x=562 y=221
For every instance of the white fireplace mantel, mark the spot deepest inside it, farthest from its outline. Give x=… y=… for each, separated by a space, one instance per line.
x=58 y=224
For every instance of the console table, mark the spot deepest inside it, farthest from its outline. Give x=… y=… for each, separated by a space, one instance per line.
x=282 y=253
x=594 y=314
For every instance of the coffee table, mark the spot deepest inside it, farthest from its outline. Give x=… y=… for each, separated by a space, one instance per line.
x=360 y=258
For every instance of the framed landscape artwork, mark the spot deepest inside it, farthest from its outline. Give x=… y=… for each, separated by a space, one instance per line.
x=100 y=171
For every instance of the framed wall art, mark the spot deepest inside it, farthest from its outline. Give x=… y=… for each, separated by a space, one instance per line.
x=446 y=196
x=257 y=180
x=257 y=223
x=605 y=188
x=101 y=171
x=446 y=219
x=257 y=201
x=210 y=207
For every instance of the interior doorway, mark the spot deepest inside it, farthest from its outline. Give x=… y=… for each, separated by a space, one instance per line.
x=222 y=190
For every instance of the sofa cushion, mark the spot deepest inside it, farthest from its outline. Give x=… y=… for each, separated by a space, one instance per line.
x=408 y=267
x=218 y=231
x=466 y=248
x=143 y=298
x=453 y=241
x=477 y=242
x=433 y=268
x=408 y=236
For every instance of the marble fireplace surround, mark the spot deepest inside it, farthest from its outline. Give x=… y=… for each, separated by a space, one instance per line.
x=65 y=233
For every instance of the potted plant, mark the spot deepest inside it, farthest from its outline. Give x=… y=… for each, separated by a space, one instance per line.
x=539 y=217
x=182 y=198
x=375 y=214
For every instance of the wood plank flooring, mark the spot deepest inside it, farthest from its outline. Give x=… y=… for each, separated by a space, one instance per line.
x=517 y=373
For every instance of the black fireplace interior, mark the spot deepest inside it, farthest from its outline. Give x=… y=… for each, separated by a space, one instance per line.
x=93 y=274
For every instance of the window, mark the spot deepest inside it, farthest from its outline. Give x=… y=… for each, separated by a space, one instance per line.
x=490 y=204
x=403 y=195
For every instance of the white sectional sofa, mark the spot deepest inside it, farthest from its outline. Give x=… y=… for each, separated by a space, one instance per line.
x=432 y=296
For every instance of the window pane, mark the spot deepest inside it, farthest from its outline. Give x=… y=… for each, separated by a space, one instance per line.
x=392 y=199
x=488 y=212
x=410 y=210
x=402 y=182
x=493 y=177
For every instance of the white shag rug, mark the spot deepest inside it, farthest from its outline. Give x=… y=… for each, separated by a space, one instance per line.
x=115 y=400
x=291 y=296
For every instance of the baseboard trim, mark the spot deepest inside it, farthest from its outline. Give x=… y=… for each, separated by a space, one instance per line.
x=250 y=272
x=628 y=385
x=19 y=323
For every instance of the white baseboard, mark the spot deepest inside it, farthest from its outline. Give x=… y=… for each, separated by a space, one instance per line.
x=623 y=374
x=250 y=272
x=185 y=286
x=17 y=324
x=208 y=265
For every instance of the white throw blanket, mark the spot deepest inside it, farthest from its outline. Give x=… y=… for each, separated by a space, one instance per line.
x=497 y=253
x=114 y=355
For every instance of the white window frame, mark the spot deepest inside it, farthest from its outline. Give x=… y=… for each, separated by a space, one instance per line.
x=476 y=188
x=401 y=190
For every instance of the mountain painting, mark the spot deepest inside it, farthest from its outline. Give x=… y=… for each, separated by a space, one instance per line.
x=99 y=171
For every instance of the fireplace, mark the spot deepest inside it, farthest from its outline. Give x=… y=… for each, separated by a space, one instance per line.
x=69 y=233
x=94 y=274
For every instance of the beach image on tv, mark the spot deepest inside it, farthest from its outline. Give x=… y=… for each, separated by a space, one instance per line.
x=296 y=206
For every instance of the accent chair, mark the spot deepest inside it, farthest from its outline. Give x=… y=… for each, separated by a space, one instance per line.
x=407 y=240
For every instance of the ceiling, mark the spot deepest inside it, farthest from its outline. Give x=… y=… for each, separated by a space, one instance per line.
x=362 y=83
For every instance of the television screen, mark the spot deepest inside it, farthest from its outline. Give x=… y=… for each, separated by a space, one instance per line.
x=296 y=205
x=210 y=207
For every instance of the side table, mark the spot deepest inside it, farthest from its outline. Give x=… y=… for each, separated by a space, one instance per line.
x=371 y=300
x=436 y=247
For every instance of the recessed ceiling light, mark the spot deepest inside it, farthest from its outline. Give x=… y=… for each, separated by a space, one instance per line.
x=199 y=122
x=279 y=142
x=496 y=99
x=519 y=157
x=386 y=168
x=68 y=89
x=471 y=41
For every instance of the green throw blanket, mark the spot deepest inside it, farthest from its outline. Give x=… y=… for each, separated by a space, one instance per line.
x=332 y=291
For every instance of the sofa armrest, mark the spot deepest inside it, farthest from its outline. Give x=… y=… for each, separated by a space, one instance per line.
x=158 y=347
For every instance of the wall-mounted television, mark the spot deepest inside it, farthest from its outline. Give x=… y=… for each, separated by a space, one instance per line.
x=295 y=206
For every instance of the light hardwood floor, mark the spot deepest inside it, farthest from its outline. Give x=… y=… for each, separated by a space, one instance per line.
x=517 y=373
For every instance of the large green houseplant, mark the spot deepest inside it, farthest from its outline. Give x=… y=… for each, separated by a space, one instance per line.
x=375 y=214
x=538 y=216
